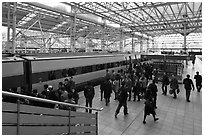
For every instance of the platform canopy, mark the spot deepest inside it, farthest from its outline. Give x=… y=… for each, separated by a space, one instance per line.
x=96 y=19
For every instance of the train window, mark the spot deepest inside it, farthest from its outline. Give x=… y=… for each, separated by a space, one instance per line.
x=87 y=69
x=100 y=67
x=78 y=70
x=51 y=75
x=117 y=64
x=64 y=72
x=108 y=65
x=71 y=72
x=113 y=65
x=124 y=63
x=93 y=68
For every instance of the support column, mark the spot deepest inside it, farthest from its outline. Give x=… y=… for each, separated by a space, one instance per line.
x=147 y=50
x=141 y=45
x=14 y=28
x=184 y=35
x=8 y=22
x=152 y=43
x=103 y=42
x=73 y=35
x=121 y=41
x=133 y=44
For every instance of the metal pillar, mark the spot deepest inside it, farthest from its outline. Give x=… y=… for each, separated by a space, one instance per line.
x=152 y=44
x=103 y=44
x=73 y=36
x=141 y=46
x=121 y=41
x=133 y=46
x=14 y=27
x=8 y=22
x=147 y=45
x=185 y=34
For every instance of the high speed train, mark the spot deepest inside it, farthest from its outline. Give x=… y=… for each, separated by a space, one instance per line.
x=32 y=72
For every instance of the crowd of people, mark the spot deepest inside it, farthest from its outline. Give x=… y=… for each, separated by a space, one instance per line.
x=139 y=79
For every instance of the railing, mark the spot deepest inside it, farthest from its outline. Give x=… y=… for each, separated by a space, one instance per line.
x=19 y=119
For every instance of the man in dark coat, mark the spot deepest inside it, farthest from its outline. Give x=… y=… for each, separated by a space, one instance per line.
x=188 y=85
x=123 y=95
x=153 y=88
x=198 y=79
x=165 y=83
x=107 y=90
x=136 y=89
x=89 y=93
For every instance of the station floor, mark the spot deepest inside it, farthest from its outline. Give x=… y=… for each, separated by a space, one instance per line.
x=176 y=116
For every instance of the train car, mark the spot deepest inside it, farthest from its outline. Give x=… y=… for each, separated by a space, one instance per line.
x=35 y=71
x=53 y=70
x=12 y=72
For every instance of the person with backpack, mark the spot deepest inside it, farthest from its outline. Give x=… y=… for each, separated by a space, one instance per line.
x=188 y=85
x=122 y=98
x=89 y=93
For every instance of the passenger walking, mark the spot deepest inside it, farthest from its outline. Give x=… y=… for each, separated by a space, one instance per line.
x=129 y=86
x=153 y=88
x=143 y=82
x=112 y=75
x=102 y=87
x=38 y=95
x=165 y=83
x=108 y=75
x=89 y=93
x=72 y=84
x=53 y=95
x=149 y=109
x=63 y=94
x=67 y=85
x=122 y=98
x=71 y=101
x=75 y=96
x=188 y=85
x=155 y=74
x=198 y=79
x=116 y=87
x=45 y=92
x=107 y=90
x=137 y=89
x=174 y=86
x=193 y=60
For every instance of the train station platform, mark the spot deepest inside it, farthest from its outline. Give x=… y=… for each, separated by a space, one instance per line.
x=176 y=116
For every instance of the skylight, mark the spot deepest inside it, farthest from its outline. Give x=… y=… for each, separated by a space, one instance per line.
x=26 y=18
